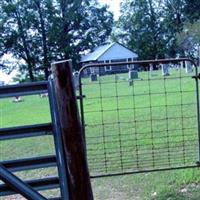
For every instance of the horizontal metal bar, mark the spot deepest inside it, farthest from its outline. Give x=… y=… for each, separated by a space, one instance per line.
x=144 y=171
x=80 y=97
x=25 y=131
x=18 y=185
x=23 y=89
x=39 y=184
x=138 y=62
x=30 y=163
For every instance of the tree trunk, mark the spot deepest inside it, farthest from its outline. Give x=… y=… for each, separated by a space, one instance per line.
x=44 y=41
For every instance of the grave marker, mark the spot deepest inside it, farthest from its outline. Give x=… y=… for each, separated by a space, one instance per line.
x=93 y=77
x=76 y=80
x=188 y=67
x=133 y=74
x=165 y=69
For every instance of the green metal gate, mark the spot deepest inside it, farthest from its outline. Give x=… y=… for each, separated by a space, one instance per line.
x=147 y=122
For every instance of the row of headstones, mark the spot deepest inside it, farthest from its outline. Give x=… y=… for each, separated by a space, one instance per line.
x=133 y=74
x=166 y=68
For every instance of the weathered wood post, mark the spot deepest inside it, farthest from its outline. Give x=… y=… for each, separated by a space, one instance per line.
x=73 y=141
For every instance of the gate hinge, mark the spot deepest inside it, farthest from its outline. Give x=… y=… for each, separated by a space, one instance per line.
x=196 y=76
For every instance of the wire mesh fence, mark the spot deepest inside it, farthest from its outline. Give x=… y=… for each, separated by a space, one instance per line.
x=139 y=120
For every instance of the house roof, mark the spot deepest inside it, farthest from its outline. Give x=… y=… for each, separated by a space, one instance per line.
x=108 y=52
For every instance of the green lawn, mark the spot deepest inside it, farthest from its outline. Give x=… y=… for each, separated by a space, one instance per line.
x=126 y=130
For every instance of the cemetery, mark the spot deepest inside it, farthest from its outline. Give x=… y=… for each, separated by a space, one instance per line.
x=116 y=107
x=99 y=100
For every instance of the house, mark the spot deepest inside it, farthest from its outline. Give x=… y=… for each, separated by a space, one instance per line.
x=109 y=53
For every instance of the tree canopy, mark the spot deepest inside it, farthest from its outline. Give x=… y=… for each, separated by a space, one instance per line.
x=41 y=31
x=38 y=32
x=150 y=27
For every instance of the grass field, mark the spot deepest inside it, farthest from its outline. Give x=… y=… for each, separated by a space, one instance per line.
x=127 y=129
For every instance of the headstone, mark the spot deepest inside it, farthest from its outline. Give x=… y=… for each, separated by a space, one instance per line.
x=133 y=74
x=188 y=67
x=182 y=64
x=116 y=78
x=43 y=95
x=93 y=77
x=130 y=82
x=150 y=69
x=165 y=69
x=17 y=99
x=76 y=80
x=177 y=66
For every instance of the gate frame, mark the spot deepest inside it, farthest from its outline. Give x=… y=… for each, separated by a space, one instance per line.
x=144 y=62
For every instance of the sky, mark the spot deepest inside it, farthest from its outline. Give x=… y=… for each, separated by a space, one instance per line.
x=114 y=6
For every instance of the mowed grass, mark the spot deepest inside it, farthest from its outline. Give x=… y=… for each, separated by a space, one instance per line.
x=119 y=135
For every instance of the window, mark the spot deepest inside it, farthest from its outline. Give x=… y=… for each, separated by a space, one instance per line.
x=108 y=68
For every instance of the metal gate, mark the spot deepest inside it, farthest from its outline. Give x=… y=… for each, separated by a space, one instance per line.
x=29 y=188
x=147 y=121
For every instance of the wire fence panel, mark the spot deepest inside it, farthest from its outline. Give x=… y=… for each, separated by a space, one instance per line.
x=139 y=119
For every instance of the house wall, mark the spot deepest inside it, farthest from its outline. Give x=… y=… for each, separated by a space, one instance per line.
x=110 y=69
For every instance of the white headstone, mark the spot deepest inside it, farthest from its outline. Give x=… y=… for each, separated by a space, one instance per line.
x=188 y=67
x=182 y=64
x=165 y=69
x=150 y=69
x=76 y=80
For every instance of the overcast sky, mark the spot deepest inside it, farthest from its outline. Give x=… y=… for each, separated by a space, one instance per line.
x=114 y=6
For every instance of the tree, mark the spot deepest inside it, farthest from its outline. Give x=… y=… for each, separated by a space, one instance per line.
x=41 y=31
x=141 y=29
x=189 y=40
x=173 y=19
x=192 y=10
x=16 y=32
x=150 y=27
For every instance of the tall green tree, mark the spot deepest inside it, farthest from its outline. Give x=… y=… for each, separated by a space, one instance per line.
x=189 y=40
x=192 y=10
x=41 y=31
x=141 y=29
x=17 y=32
x=150 y=27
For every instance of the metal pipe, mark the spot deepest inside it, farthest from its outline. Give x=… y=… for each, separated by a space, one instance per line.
x=141 y=62
x=23 y=89
x=62 y=168
x=29 y=163
x=19 y=186
x=198 y=109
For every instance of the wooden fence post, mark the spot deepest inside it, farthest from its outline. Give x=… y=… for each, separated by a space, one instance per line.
x=73 y=141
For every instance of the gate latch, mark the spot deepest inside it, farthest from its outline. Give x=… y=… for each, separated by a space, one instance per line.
x=196 y=76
